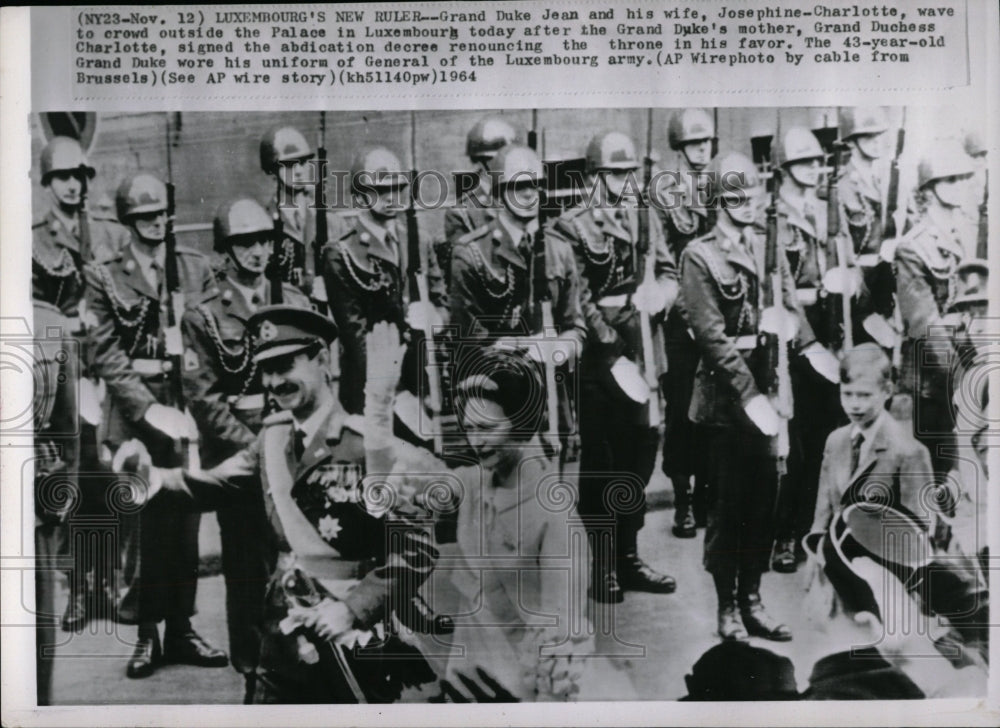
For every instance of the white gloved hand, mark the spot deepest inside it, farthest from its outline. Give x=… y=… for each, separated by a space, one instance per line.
x=762 y=414
x=92 y=394
x=171 y=422
x=629 y=378
x=422 y=316
x=649 y=298
x=823 y=361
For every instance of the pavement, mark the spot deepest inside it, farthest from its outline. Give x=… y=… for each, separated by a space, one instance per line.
x=654 y=639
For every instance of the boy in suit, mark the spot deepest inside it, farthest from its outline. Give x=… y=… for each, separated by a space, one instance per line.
x=874 y=456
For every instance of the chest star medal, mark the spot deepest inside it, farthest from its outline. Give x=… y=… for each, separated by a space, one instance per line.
x=329 y=527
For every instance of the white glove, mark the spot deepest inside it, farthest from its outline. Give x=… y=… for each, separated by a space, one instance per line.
x=823 y=361
x=329 y=618
x=762 y=414
x=558 y=350
x=649 y=298
x=630 y=380
x=171 y=422
x=318 y=292
x=91 y=396
x=421 y=316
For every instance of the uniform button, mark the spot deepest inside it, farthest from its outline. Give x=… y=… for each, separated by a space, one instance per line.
x=168 y=367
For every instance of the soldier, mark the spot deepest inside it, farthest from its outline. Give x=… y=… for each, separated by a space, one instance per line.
x=346 y=558
x=691 y=133
x=475 y=208
x=227 y=403
x=861 y=192
x=128 y=298
x=285 y=155
x=975 y=207
x=802 y=228
x=926 y=261
x=56 y=467
x=721 y=277
x=65 y=239
x=365 y=268
x=618 y=445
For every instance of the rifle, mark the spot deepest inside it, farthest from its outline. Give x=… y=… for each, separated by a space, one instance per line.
x=541 y=294
x=892 y=200
x=984 y=225
x=776 y=322
x=649 y=275
x=417 y=265
x=322 y=230
x=174 y=344
x=274 y=276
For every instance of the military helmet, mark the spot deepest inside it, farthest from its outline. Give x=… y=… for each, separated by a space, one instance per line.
x=611 y=150
x=859 y=121
x=489 y=136
x=378 y=168
x=516 y=163
x=731 y=172
x=140 y=193
x=689 y=125
x=63 y=154
x=282 y=144
x=238 y=217
x=948 y=159
x=798 y=144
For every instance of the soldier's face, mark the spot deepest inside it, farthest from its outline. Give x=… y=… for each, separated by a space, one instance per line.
x=620 y=183
x=805 y=172
x=151 y=226
x=251 y=254
x=297 y=173
x=66 y=188
x=870 y=145
x=488 y=430
x=952 y=191
x=741 y=205
x=295 y=382
x=387 y=202
x=521 y=200
x=698 y=153
x=864 y=397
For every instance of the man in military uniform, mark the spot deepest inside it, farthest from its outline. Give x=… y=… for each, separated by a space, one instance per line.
x=128 y=297
x=926 y=261
x=861 y=193
x=285 y=156
x=64 y=239
x=227 y=402
x=802 y=230
x=681 y=204
x=489 y=135
x=722 y=275
x=346 y=557
x=365 y=268
x=621 y=279
x=56 y=466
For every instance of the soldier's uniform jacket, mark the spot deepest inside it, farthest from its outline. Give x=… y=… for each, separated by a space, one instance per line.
x=682 y=218
x=56 y=265
x=860 y=197
x=491 y=285
x=57 y=442
x=366 y=282
x=474 y=211
x=721 y=297
x=127 y=339
x=299 y=229
x=326 y=524
x=221 y=383
x=604 y=242
x=926 y=262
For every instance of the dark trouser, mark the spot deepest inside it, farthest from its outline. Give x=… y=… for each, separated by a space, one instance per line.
x=49 y=538
x=617 y=456
x=683 y=445
x=817 y=414
x=246 y=565
x=740 y=518
x=934 y=428
x=161 y=563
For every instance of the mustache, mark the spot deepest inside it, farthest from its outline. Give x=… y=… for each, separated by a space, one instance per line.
x=283 y=388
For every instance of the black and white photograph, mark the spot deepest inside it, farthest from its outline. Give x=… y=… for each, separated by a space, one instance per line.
x=417 y=406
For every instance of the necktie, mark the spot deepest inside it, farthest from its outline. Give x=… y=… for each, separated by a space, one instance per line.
x=809 y=212
x=157 y=281
x=856 y=442
x=298 y=444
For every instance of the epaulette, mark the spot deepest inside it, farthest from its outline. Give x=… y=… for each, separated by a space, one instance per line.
x=38 y=223
x=474 y=234
x=184 y=250
x=573 y=212
x=350 y=231
x=280 y=417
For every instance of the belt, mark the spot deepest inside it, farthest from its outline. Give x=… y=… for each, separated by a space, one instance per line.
x=151 y=367
x=247 y=402
x=611 y=301
x=806 y=296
